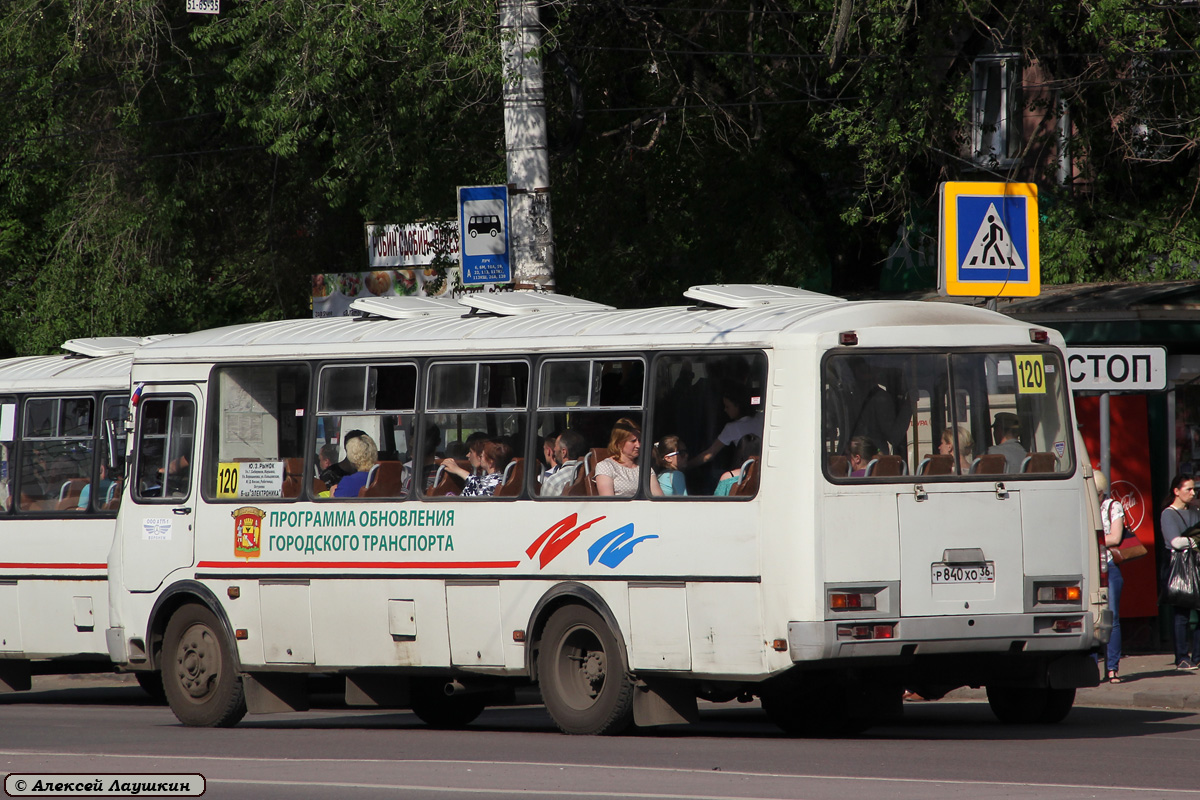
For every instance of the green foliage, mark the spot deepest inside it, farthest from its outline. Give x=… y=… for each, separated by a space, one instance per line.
x=161 y=171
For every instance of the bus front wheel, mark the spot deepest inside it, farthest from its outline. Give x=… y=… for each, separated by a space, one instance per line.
x=202 y=686
x=1020 y=706
x=581 y=670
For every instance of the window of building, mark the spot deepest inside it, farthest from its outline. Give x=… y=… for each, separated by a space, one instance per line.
x=996 y=109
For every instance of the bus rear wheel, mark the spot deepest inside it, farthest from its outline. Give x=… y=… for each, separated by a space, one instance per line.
x=581 y=670
x=1022 y=706
x=202 y=686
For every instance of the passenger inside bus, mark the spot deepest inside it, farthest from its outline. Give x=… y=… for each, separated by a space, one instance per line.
x=743 y=419
x=749 y=448
x=966 y=445
x=569 y=452
x=670 y=458
x=617 y=476
x=493 y=457
x=860 y=453
x=363 y=453
x=1006 y=431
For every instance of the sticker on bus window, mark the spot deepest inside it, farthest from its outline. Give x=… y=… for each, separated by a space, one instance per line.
x=250 y=479
x=1031 y=375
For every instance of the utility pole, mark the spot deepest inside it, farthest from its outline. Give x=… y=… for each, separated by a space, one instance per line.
x=532 y=236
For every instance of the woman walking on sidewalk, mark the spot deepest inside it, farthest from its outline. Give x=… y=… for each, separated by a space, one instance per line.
x=1112 y=513
x=1177 y=518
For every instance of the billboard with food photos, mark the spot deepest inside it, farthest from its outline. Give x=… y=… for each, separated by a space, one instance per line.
x=333 y=292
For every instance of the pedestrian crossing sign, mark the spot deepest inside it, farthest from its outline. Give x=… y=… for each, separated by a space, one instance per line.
x=988 y=244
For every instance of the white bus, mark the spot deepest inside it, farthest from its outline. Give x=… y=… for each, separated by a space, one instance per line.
x=790 y=570
x=60 y=418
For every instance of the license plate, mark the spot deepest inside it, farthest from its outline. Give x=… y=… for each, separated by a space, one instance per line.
x=964 y=573
x=203 y=6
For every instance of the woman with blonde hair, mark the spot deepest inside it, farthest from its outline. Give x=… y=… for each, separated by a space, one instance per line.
x=362 y=452
x=617 y=476
x=966 y=445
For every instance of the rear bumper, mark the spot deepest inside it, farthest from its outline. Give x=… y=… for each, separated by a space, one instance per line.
x=921 y=636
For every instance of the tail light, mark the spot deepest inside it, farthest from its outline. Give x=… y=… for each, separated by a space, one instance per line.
x=877 y=630
x=852 y=601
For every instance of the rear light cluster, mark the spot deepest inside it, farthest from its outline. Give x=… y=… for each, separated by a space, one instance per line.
x=885 y=630
x=1067 y=625
x=852 y=601
x=1059 y=594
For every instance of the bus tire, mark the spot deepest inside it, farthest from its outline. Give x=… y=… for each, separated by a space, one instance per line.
x=151 y=683
x=1058 y=704
x=1021 y=706
x=582 y=673
x=202 y=686
x=437 y=710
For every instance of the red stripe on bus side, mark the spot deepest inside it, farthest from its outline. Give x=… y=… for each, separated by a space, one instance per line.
x=254 y=564
x=15 y=565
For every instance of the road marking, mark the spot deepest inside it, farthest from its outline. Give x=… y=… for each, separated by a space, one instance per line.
x=563 y=766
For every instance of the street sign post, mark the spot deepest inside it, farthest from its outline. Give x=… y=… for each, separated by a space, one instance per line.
x=988 y=245
x=484 y=234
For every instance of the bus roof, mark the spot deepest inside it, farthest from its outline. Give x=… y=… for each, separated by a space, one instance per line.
x=67 y=372
x=750 y=325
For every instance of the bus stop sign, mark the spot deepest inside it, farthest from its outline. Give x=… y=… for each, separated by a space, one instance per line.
x=988 y=245
x=483 y=234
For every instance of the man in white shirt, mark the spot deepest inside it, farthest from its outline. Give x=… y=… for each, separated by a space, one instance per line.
x=569 y=452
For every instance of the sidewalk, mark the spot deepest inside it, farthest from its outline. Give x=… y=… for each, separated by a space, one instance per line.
x=1146 y=682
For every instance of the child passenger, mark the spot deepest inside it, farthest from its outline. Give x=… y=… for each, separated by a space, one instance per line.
x=670 y=456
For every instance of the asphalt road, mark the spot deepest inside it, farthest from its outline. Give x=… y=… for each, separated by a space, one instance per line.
x=938 y=750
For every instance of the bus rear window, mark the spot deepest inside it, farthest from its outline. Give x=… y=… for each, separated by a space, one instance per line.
x=906 y=416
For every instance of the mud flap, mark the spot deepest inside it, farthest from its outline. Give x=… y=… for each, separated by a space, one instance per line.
x=275 y=692
x=666 y=703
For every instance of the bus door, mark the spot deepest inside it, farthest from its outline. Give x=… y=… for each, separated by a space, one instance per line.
x=960 y=550
x=161 y=517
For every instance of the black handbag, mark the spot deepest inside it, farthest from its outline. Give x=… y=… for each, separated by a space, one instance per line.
x=1183 y=580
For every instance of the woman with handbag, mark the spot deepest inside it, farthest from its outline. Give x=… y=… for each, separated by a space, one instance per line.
x=1176 y=518
x=1112 y=515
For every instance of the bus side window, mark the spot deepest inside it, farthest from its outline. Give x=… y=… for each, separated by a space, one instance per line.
x=474 y=430
x=707 y=437
x=8 y=422
x=378 y=400
x=581 y=400
x=166 y=430
x=58 y=448
x=259 y=413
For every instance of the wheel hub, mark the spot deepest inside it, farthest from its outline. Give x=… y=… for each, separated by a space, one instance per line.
x=195 y=655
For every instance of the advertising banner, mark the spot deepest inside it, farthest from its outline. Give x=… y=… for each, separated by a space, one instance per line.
x=332 y=292
x=1130 y=484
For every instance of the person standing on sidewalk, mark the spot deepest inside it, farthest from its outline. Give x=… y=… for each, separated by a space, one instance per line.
x=1112 y=513
x=1177 y=518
